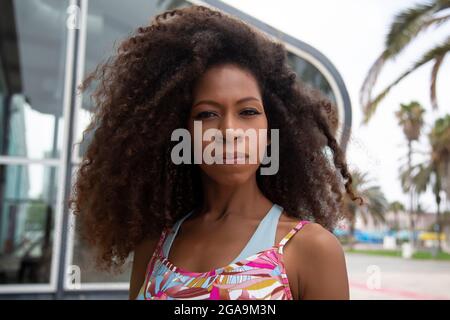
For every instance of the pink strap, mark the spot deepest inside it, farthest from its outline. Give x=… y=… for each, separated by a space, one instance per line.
x=291 y=234
x=162 y=238
x=151 y=263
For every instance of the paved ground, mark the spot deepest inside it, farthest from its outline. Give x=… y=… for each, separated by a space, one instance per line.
x=379 y=277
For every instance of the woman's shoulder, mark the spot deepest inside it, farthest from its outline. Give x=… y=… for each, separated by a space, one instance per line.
x=310 y=233
x=320 y=262
x=315 y=241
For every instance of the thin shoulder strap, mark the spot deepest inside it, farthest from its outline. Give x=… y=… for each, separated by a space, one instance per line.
x=290 y=234
x=152 y=261
x=167 y=244
x=161 y=240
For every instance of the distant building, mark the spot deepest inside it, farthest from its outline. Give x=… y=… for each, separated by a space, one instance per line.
x=423 y=222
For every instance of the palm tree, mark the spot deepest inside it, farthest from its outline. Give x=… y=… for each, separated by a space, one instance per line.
x=410 y=118
x=407 y=25
x=375 y=203
x=434 y=171
x=440 y=143
x=395 y=207
x=440 y=157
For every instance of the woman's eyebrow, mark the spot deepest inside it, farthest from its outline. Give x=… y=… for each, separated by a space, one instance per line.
x=247 y=99
x=214 y=103
x=211 y=102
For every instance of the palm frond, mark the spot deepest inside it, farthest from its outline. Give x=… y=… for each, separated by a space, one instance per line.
x=437 y=21
x=407 y=25
x=365 y=93
x=428 y=56
x=434 y=73
x=377 y=203
x=422 y=178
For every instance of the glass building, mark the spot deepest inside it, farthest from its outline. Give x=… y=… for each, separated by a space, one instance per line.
x=46 y=48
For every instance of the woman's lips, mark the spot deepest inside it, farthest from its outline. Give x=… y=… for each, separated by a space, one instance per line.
x=233 y=157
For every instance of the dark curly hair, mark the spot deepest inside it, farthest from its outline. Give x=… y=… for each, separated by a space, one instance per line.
x=127 y=187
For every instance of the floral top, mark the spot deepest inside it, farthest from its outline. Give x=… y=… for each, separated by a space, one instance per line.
x=261 y=276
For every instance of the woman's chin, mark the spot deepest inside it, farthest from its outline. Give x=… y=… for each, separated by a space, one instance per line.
x=231 y=174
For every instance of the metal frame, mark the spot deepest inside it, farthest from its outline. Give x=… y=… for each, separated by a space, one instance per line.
x=78 y=100
x=62 y=258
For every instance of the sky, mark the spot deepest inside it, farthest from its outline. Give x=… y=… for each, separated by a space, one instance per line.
x=351 y=34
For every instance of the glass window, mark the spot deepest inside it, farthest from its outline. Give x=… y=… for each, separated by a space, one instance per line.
x=311 y=75
x=27 y=211
x=3 y=94
x=83 y=259
x=33 y=58
x=108 y=22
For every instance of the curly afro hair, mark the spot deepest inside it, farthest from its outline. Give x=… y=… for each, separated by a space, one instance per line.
x=127 y=187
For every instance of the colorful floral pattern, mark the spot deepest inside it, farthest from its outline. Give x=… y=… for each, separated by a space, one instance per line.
x=261 y=276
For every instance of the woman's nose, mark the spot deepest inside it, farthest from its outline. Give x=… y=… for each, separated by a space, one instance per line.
x=229 y=129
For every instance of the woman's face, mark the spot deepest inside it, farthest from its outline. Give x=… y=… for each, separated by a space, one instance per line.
x=228 y=97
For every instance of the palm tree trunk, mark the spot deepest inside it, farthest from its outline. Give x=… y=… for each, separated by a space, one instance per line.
x=438 y=223
x=397 y=222
x=438 y=213
x=351 y=240
x=411 y=190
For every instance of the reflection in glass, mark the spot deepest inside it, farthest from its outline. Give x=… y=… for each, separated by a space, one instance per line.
x=33 y=56
x=84 y=258
x=27 y=198
x=310 y=75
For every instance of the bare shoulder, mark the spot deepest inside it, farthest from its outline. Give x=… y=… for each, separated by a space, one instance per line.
x=314 y=240
x=141 y=256
x=320 y=264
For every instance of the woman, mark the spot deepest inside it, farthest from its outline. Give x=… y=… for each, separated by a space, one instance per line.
x=211 y=230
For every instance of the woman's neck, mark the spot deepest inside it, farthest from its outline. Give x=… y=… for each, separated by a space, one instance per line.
x=243 y=200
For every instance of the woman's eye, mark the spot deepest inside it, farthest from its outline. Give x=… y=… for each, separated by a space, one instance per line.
x=205 y=115
x=250 y=112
